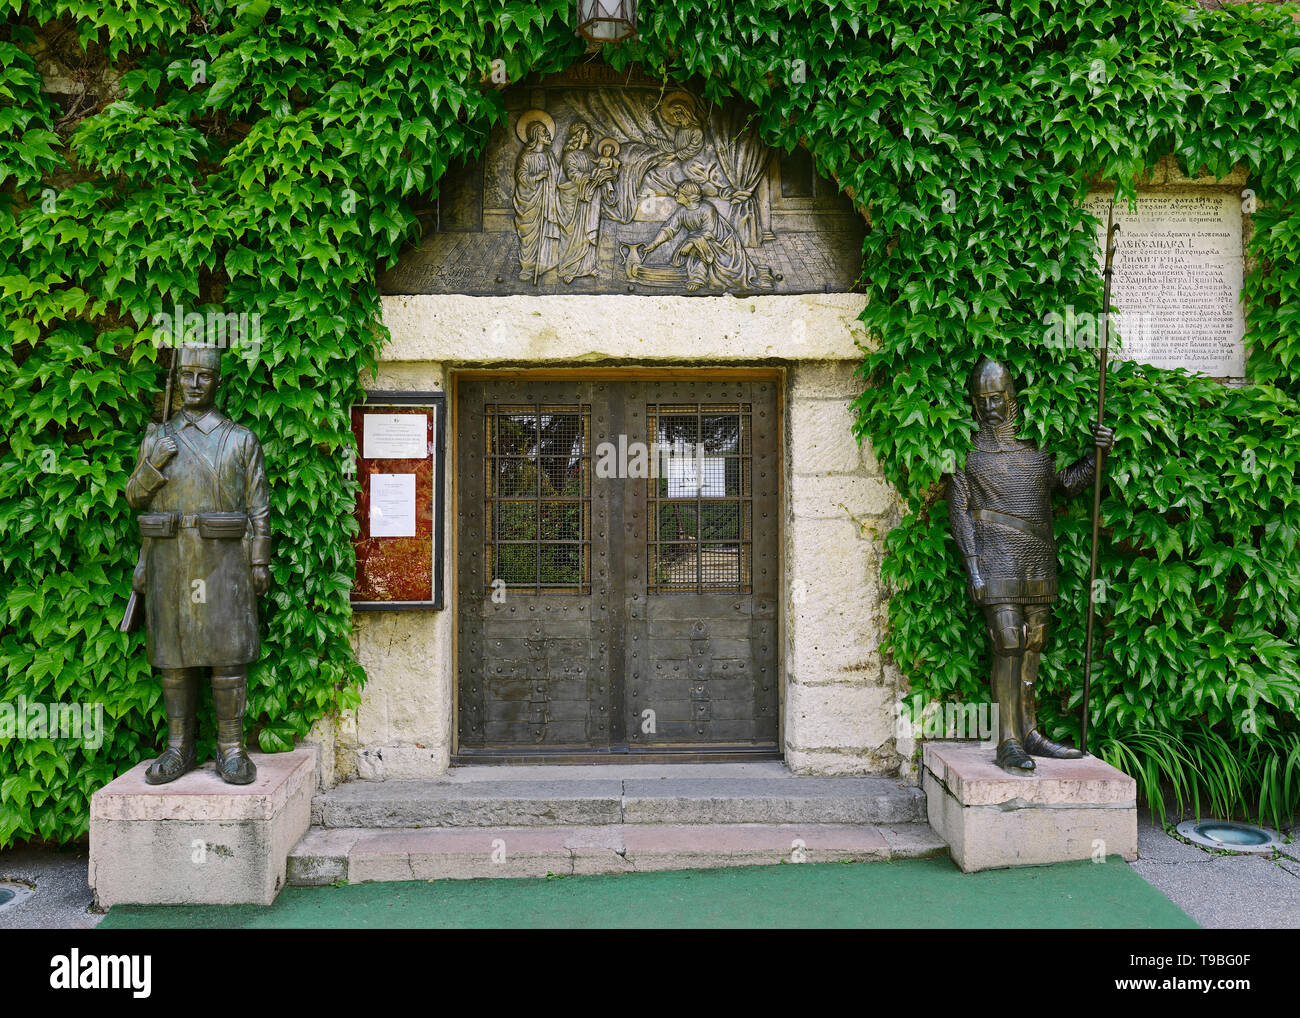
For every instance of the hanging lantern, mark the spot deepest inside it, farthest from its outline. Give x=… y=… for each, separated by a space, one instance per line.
x=607 y=20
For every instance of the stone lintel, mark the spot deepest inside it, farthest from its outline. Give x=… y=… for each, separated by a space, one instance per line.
x=459 y=330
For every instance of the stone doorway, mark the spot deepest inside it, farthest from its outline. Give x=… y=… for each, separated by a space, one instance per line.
x=617 y=567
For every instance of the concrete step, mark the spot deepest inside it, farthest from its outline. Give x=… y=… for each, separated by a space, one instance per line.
x=357 y=855
x=583 y=796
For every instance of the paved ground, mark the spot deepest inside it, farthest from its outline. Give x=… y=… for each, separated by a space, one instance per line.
x=1171 y=884
x=1221 y=891
x=60 y=896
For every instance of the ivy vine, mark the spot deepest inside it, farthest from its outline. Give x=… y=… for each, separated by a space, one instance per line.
x=266 y=158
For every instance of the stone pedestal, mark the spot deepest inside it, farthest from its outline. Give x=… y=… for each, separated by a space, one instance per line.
x=198 y=840
x=1069 y=809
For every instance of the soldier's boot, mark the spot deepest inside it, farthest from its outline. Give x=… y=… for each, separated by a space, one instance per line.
x=1036 y=743
x=180 y=688
x=229 y=698
x=1006 y=633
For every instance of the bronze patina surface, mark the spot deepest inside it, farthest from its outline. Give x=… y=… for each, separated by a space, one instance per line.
x=200 y=486
x=605 y=182
x=1000 y=508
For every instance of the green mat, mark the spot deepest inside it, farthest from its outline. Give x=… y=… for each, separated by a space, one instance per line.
x=922 y=893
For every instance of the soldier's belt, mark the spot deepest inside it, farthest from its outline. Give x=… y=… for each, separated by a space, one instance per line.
x=1014 y=522
x=216 y=526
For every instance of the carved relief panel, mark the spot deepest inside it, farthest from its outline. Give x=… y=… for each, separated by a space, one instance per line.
x=614 y=183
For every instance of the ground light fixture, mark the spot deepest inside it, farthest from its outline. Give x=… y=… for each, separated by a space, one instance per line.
x=1229 y=836
x=607 y=20
x=12 y=894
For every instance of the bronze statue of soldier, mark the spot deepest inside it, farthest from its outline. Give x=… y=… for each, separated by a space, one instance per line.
x=1000 y=508
x=200 y=483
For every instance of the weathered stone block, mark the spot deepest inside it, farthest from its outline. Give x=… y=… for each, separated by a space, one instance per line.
x=405 y=718
x=830 y=553
x=400 y=763
x=831 y=646
x=409 y=376
x=839 y=496
x=827 y=380
x=1068 y=810
x=838 y=716
x=822 y=438
x=841 y=763
x=198 y=840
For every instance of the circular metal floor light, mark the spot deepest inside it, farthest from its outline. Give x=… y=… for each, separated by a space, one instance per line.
x=1229 y=836
x=12 y=893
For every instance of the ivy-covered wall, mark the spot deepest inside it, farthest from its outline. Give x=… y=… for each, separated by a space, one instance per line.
x=264 y=158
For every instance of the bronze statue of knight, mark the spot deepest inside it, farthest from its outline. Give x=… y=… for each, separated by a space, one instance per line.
x=1000 y=509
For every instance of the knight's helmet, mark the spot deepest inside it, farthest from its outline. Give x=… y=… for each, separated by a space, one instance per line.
x=994 y=376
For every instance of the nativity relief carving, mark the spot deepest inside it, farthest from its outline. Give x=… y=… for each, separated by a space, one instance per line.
x=603 y=183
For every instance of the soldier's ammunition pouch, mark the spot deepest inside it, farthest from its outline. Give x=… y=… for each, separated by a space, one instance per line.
x=214 y=526
x=157 y=524
x=222 y=526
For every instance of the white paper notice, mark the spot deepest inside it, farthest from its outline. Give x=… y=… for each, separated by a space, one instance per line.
x=392 y=504
x=697 y=477
x=394 y=437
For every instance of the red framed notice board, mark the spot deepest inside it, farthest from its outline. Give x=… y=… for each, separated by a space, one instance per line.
x=401 y=443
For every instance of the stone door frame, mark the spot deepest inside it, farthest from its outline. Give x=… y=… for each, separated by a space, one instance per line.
x=839 y=690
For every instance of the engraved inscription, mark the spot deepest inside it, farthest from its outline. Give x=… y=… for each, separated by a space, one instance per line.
x=1178 y=278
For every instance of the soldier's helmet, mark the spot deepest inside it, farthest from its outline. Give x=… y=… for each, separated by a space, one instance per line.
x=992 y=376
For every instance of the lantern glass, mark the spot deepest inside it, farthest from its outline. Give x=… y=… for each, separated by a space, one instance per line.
x=607 y=20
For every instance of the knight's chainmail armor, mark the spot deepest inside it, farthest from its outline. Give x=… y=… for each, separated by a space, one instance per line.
x=1000 y=509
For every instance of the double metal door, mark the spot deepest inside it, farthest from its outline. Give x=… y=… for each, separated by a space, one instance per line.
x=618 y=568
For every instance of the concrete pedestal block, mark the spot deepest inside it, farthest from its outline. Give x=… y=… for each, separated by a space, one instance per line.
x=1069 y=809
x=198 y=840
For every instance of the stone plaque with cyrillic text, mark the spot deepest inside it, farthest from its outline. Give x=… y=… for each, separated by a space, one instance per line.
x=1177 y=281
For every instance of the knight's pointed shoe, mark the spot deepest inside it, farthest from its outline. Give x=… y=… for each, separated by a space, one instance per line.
x=171 y=764
x=1039 y=744
x=1012 y=757
x=234 y=767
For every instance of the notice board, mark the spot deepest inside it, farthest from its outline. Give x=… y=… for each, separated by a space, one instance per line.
x=400 y=440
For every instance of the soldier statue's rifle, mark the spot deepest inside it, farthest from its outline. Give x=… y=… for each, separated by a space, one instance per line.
x=134 y=613
x=1112 y=228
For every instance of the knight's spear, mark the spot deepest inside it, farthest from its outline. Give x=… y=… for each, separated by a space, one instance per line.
x=1112 y=228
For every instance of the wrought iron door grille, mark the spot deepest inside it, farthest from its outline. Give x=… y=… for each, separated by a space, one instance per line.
x=538 y=497
x=700 y=498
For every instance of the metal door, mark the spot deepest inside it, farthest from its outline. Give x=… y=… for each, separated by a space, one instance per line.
x=617 y=568
x=699 y=663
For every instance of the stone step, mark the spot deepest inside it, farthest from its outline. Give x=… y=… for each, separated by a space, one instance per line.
x=365 y=855
x=750 y=793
